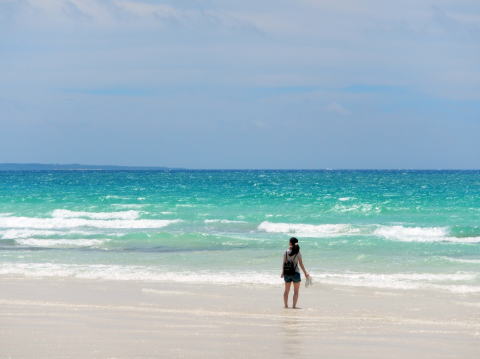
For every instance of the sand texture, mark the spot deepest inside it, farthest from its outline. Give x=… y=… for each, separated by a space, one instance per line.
x=73 y=318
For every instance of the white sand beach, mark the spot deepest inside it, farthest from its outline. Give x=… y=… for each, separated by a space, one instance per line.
x=74 y=318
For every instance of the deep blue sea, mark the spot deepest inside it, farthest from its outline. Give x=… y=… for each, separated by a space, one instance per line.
x=404 y=230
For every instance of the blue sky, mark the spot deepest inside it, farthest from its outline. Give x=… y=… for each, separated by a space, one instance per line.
x=241 y=84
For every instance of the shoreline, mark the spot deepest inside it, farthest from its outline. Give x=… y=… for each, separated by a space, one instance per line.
x=79 y=318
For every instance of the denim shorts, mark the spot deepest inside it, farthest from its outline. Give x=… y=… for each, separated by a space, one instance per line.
x=292 y=278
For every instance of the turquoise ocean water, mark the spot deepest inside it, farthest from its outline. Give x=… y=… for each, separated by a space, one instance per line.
x=384 y=229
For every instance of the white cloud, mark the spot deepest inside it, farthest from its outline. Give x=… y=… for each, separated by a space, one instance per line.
x=55 y=12
x=95 y=10
x=322 y=43
x=50 y=13
x=149 y=9
x=338 y=109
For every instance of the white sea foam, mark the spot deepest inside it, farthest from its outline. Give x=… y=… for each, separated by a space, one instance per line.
x=421 y=234
x=460 y=260
x=346 y=198
x=453 y=282
x=63 y=243
x=28 y=233
x=309 y=230
x=394 y=233
x=405 y=281
x=269 y=215
x=462 y=239
x=411 y=277
x=128 y=205
x=362 y=207
x=133 y=272
x=65 y=213
x=60 y=222
x=112 y=196
x=222 y=221
x=417 y=234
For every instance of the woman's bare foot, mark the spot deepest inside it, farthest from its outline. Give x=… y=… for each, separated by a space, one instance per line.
x=296 y=308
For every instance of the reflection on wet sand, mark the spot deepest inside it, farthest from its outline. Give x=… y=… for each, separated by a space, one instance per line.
x=292 y=333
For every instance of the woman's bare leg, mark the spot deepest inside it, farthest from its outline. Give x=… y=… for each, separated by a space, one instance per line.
x=296 y=289
x=285 y=293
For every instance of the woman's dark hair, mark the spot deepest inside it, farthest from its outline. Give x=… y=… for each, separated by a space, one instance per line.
x=295 y=246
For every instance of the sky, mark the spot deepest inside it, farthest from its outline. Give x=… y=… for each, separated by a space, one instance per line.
x=300 y=84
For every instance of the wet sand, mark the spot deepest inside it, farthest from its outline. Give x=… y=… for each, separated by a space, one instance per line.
x=74 y=318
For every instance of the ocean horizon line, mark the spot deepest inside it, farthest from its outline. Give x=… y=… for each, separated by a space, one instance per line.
x=34 y=166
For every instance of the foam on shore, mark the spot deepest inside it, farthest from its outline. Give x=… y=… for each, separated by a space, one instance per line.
x=62 y=222
x=451 y=282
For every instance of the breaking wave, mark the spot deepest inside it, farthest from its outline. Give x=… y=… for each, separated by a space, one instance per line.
x=65 y=213
x=453 y=282
x=309 y=230
x=60 y=243
x=28 y=233
x=222 y=221
x=61 y=222
x=421 y=234
x=394 y=233
x=460 y=260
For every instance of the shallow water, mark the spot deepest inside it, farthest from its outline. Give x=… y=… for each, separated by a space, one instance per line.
x=393 y=229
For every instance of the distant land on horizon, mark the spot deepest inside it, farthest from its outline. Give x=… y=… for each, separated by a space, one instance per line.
x=84 y=167
x=75 y=167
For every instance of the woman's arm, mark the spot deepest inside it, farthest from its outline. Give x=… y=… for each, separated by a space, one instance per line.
x=303 y=267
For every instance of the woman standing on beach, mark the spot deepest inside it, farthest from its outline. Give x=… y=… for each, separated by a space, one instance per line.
x=290 y=272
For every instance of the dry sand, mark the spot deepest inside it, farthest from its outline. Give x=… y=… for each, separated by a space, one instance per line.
x=73 y=318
